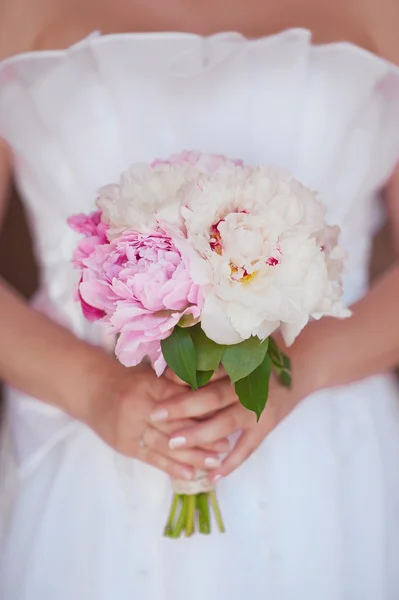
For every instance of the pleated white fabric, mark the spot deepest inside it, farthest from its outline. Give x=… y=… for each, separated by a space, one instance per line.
x=314 y=514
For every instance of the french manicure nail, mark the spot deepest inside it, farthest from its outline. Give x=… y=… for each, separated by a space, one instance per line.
x=217 y=478
x=177 y=442
x=212 y=463
x=186 y=474
x=159 y=415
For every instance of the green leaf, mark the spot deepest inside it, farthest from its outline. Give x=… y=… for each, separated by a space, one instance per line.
x=241 y=359
x=274 y=351
x=281 y=364
x=209 y=353
x=179 y=352
x=203 y=377
x=285 y=378
x=253 y=390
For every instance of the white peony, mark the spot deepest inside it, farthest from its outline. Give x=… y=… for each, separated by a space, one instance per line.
x=335 y=255
x=264 y=255
x=144 y=196
x=255 y=240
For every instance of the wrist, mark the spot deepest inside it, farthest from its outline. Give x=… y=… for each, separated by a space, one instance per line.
x=91 y=370
x=315 y=364
x=108 y=382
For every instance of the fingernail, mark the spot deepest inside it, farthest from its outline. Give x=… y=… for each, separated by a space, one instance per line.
x=177 y=442
x=212 y=463
x=217 y=478
x=159 y=415
x=186 y=474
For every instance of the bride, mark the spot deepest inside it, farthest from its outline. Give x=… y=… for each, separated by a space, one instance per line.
x=310 y=494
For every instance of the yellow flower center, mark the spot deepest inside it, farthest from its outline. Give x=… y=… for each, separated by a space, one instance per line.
x=240 y=274
x=248 y=277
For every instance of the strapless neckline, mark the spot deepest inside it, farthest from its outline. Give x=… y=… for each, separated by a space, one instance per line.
x=97 y=37
x=315 y=507
x=76 y=118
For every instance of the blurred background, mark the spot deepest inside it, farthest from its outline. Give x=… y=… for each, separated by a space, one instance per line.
x=17 y=263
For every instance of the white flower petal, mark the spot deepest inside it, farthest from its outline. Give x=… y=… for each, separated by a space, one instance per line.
x=215 y=323
x=290 y=331
x=199 y=269
x=267 y=328
x=143 y=191
x=245 y=322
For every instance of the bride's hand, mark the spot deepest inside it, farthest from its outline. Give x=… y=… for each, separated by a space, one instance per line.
x=119 y=412
x=221 y=415
x=228 y=417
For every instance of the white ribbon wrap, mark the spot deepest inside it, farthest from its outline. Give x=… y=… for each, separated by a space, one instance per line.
x=200 y=484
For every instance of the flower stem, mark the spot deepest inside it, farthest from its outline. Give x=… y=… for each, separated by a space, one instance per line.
x=190 y=513
x=190 y=516
x=181 y=521
x=216 y=510
x=203 y=514
x=171 y=519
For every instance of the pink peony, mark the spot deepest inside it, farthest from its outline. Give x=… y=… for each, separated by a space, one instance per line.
x=140 y=282
x=90 y=313
x=94 y=232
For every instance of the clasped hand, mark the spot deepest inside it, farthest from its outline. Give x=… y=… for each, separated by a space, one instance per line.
x=206 y=419
x=162 y=422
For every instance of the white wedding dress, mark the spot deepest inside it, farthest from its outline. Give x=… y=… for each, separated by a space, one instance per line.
x=314 y=513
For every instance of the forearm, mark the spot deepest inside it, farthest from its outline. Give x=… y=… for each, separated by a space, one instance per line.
x=363 y=345
x=43 y=359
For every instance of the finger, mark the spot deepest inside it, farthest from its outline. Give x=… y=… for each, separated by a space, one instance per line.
x=169 y=427
x=209 y=399
x=220 y=446
x=200 y=459
x=243 y=449
x=224 y=423
x=196 y=457
x=169 y=466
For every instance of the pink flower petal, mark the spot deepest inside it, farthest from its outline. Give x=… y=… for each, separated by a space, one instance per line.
x=140 y=282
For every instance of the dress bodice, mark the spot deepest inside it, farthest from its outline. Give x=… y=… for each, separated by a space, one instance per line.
x=76 y=119
x=313 y=513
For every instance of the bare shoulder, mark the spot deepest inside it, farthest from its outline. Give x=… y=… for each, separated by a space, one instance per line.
x=386 y=26
x=22 y=23
x=383 y=25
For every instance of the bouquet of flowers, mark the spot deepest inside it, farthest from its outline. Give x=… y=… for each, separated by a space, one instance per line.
x=194 y=262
